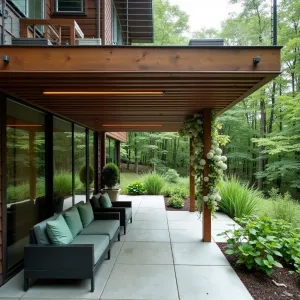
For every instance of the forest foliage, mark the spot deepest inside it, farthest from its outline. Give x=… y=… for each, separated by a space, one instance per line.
x=264 y=129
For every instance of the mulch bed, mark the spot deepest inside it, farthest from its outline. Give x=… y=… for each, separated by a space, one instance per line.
x=186 y=206
x=261 y=287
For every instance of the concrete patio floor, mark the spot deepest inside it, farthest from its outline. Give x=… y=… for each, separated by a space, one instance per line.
x=161 y=258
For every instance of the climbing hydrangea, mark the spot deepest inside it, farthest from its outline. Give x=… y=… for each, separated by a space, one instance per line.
x=193 y=128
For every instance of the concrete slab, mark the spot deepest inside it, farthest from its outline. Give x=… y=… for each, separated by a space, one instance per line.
x=185 y=236
x=141 y=282
x=211 y=283
x=70 y=289
x=224 y=225
x=146 y=253
x=182 y=216
x=221 y=217
x=14 y=287
x=114 y=252
x=152 y=204
x=218 y=239
x=186 y=225
x=151 y=210
x=158 y=216
x=146 y=235
x=201 y=254
x=149 y=225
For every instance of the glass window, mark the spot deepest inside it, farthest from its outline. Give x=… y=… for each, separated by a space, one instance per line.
x=70 y=6
x=22 y=5
x=111 y=150
x=80 y=163
x=25 y=174
x=62 y=163
x=33 y=9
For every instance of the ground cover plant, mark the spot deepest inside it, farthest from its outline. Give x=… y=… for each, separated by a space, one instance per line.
x=135 y=188
x=263 y=243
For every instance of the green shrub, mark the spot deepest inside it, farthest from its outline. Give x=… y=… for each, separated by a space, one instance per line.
x=17 y=193
x=284 y=207
x=176 y=201
x=262 y=242
x=110 y=175
x=82 y=175
x=181 y=192
x=167 y=190
x=171 y=176
x=153 y=183
x=62 y=183
x=135 y=188
x=238 y=198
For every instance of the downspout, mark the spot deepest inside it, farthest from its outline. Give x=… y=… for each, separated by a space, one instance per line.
x=99 y=19
x=3 y=21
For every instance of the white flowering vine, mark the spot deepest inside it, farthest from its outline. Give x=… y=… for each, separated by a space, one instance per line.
x=193 y=128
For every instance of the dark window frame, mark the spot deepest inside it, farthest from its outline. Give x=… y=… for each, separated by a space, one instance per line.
x=75 y=13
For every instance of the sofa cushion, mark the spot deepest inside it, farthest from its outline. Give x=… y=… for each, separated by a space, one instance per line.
x=73 y=221
x=100 y=243
x=108 y=227
x=128 y=212
x=95 y=201
x=58 y=231
x=40 y=231
x=104 y=201
x=86 y=214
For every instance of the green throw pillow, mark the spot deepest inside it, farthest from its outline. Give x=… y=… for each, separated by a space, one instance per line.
x=86 y=214
x=73 y=221
x=105 y=201
x=95 y=201
x=58 y=231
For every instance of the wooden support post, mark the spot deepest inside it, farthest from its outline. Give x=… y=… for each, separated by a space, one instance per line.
x=72 y=35
x=102 y=154
x=97 y=166
x=206 y=214
x=192 y=179
x=118 y=150
x=32 y=166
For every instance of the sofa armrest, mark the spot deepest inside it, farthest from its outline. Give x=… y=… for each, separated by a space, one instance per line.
x=121 y=203
x=59 y=257
x=106 y=215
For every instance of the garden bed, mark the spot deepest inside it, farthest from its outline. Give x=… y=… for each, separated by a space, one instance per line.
x=186 y=206
x=261 y=287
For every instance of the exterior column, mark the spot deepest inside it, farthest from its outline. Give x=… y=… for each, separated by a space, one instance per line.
x=192 y=179
x=118 y=149
x=206 y=214
x=102 y=155
x=32 y=166
x=97 y=169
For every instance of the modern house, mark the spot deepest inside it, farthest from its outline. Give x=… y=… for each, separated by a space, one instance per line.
x=69 y=75
x=42 y=150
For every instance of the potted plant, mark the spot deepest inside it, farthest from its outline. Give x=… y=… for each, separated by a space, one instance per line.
x=110 y=178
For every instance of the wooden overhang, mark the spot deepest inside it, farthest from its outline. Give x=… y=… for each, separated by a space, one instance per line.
x=190 y=78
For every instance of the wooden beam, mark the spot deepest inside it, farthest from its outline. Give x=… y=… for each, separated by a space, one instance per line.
x=206 y=214
x=139 y=59
x=192 y=180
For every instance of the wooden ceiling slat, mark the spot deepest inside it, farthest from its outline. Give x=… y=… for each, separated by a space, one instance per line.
x=192 y=78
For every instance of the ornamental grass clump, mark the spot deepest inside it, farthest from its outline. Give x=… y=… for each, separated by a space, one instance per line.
x=135 y=188
x=284 y=207
x=171 y=176
x=238 y=198
x=262 y=243
x=153 y=183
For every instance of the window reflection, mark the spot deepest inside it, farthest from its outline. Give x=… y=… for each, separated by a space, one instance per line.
x=25 y=175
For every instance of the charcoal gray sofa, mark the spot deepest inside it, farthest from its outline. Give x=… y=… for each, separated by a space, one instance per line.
x=77 y=260
x=122 y=207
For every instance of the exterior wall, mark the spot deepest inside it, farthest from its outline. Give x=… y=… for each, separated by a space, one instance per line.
x=120 y=136
x=12 y=25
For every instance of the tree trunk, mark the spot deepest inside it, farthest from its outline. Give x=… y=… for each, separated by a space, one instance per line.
x=136 y=162
x=272 y=107
x=261 y=162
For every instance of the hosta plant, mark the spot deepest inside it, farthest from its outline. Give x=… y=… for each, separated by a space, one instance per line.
x=261 y=243
x=135 y=188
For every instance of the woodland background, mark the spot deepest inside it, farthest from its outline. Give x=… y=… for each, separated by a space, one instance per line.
x=264 y=129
